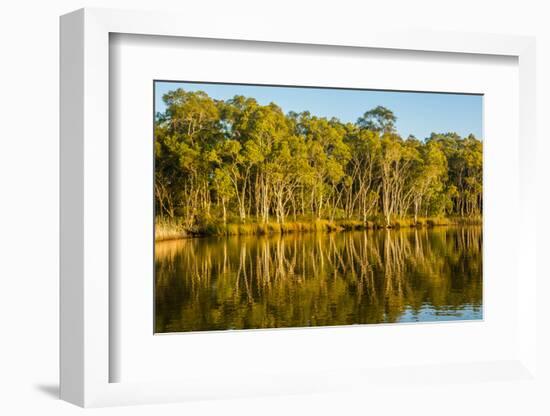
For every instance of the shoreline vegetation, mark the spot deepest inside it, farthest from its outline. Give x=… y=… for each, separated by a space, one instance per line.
x=236 y=167
x=167 y=229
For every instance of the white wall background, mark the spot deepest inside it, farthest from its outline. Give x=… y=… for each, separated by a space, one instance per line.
x=29 y=206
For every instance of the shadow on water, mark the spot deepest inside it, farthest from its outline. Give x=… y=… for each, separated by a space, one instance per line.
x=317 y=279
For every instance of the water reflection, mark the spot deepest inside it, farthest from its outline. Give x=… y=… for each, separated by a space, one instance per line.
x=318 y=279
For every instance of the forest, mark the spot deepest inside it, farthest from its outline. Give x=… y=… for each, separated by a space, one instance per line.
x=238 y=167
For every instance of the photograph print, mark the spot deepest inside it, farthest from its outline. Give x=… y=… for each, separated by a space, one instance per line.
x=289 y=206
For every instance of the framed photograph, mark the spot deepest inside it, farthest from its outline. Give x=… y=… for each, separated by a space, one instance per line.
x=312 y=205
x=287 y=206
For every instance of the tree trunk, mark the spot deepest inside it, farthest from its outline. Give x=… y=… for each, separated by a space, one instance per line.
x=224 y=212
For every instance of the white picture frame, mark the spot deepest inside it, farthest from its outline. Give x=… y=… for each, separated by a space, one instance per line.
x=85 y=264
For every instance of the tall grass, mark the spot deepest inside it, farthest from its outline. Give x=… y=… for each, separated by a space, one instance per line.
x=169 y=229
x=475 y=220
x=269 y=228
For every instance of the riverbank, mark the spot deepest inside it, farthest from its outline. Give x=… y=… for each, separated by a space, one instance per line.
x=166 y=229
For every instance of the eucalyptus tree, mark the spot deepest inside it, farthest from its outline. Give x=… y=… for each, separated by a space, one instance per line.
x=328 y=154
x=184 y=136
x=362 y=188
x=379 y=119
x=288 y=169
x=465 y=172
x=240 y=152
x=429 y=176
x=222 y=184
x=396 y=161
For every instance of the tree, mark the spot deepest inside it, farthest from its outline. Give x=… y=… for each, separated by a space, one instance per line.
x=378 y=119
x=184 y=136
x=328 y=154
x=360 y=190
x=224 y=190
x=429 y=176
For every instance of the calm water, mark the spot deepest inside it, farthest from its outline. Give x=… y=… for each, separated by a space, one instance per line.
x=298 y=280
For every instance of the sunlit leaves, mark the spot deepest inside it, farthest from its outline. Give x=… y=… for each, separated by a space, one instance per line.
x=256 y=163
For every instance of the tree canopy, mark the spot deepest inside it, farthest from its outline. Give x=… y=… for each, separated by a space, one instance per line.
x=237 y=160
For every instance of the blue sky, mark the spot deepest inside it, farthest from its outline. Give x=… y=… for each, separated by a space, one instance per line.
x=417 y=113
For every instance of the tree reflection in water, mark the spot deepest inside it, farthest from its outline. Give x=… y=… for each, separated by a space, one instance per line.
x=316 y=279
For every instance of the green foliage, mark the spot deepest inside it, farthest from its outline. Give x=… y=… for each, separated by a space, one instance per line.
x=378 y=119
x=238 y=167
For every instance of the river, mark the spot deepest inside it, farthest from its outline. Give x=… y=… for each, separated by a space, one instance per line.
x=317 y=279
